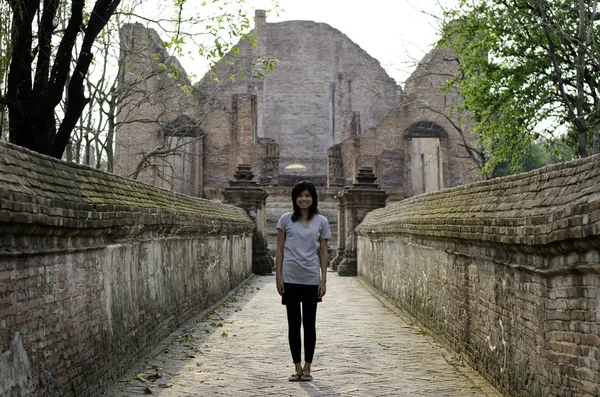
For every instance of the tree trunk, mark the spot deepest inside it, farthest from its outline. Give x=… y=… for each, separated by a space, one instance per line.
x=112 y=117
x=31 y=104
x=580 y=123
x=19 y=85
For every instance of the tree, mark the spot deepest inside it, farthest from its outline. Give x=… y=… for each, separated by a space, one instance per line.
x=5 y=49
x=156 y=95
x=72 y=97
x=34 y=91
x=540 y=157
x=205 y=31
x=528 y=72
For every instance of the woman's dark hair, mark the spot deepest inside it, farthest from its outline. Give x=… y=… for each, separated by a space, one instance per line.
x=299 y=188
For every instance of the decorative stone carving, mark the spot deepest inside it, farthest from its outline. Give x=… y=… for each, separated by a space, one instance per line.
x=244 y=192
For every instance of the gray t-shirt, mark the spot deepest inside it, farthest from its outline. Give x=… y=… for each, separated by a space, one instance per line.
x=301 y=250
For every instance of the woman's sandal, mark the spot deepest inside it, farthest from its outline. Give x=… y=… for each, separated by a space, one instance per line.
x=295 y=377
x=306 y=377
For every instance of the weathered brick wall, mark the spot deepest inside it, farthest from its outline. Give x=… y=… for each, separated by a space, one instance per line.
x=505 y=272
x=303 y=105
x=157 y=115
x=95 y=269
x=423 y=103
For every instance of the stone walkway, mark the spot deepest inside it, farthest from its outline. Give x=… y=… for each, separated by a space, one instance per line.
x=239 y=348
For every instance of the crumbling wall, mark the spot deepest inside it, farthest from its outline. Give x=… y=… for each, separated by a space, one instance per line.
x=388 y=147
x=154 y=98
x=306 y=104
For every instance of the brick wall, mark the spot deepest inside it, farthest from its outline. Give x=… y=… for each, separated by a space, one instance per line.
x=95 y=269
x=504 y=272
x=424 y=112
x=304 y=104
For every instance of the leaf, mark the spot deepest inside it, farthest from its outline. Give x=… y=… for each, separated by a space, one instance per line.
x=147 y=390
x=186 y=338
x=510 y=80
x=175 y=72
x=153 y=377
x=224 y=334
x=142 y=377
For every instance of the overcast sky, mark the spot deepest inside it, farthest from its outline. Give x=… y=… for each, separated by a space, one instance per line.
x=398 y=33
x=395 y=32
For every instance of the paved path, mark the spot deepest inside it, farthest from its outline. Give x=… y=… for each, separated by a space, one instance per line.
x=240 y=349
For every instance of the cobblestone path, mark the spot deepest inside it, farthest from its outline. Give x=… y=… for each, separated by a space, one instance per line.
x=239 y=348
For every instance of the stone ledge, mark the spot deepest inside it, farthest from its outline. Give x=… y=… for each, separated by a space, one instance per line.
x=545 y=206
x=43 y=196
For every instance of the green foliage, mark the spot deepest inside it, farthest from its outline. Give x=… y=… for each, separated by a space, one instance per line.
x=539 y=157
x=263 y=65
x=88 y=63
x=528 y=71
x=212 y=28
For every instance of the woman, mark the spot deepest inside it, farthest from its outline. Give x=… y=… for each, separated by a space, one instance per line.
x=301 y=271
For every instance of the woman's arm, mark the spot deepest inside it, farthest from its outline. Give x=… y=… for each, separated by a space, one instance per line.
x=279 y=260
x=323 y=259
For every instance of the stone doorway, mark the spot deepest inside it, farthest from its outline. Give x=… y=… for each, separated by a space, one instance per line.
x=427 y=175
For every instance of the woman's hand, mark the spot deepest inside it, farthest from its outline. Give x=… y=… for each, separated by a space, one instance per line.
x=279 y=286
x=322 y=288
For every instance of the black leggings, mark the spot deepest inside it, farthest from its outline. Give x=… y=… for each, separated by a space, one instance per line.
x=295 y=319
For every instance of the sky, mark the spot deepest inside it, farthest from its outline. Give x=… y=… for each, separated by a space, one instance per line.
x=398 y=33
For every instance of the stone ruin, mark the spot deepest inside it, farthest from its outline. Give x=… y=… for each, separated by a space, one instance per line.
x=328 y=105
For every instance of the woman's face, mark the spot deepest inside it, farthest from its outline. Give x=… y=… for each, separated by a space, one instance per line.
x=304 y=200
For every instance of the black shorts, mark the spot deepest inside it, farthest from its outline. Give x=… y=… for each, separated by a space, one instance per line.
x=296 y=293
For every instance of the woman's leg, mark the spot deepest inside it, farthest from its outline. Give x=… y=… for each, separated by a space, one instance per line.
x=294 y=323
x=309 y=317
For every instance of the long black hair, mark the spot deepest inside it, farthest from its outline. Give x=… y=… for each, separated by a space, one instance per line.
x=296 y=190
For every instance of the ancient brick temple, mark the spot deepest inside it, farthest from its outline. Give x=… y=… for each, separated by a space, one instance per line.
x=328 y=105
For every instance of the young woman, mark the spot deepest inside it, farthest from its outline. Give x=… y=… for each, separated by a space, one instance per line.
x=301 y=271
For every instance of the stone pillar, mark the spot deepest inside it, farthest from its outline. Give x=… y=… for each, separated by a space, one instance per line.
x=244 y=131
x=357 y=200
x=341 y=238
x=245 y=193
